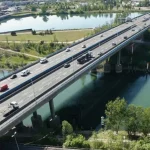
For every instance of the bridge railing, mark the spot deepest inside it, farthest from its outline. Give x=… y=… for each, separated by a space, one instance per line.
x=58 y=51
x=18 y=88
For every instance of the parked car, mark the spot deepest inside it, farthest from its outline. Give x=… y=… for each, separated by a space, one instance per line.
x=67 y=49
x=133 y=29
x=43 y=60
x=13 y=76
x=25 y=72
x=3 y=87
x=83 y=46
x=66 y=65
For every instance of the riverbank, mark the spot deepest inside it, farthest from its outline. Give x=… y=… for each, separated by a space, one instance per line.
x=56 y=36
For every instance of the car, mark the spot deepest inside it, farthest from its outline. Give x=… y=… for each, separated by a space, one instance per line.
x=101 y=35
x=3 y=87
x=25 y=72
x=68 y=50
x=100 y=54
x=114 y=44
x=43 y=60
x=125 y=37
x=83 y=46
x=14 y=104
x=13 y=76
x=66 y=65
x=133 y=29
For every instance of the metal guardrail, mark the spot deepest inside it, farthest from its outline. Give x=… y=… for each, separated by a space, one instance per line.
x=15 y=90
x=58 y=51
x=68 y=79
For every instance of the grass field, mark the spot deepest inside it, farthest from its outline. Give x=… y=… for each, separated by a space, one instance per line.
x=60 y=36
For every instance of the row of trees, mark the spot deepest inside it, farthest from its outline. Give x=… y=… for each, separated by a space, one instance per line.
x=133 y=119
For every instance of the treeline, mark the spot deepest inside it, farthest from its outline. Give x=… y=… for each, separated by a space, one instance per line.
x=133 y=120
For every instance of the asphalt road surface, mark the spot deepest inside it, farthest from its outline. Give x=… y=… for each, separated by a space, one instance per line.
x=38 y=68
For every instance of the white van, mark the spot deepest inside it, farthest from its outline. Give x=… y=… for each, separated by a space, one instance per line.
x=25 y=72
x=14 y=104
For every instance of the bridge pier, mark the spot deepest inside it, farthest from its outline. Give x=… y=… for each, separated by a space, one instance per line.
x=20 y=127
x=107 y=67
x=118 y=65
x=54 y=121
x=94 y=70
x=36 y=120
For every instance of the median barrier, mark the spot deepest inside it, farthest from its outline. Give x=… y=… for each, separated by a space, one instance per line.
x=123 y=43
x=15 y=90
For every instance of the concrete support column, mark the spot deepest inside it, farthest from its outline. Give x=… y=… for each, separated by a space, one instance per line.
x=54 y=121
x=107 y=67
x=20 y=127
x=94 y=70
x=118 y=65
x=36 y=120
x=51 y=105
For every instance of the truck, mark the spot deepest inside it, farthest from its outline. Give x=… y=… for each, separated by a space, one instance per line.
x=84 y=58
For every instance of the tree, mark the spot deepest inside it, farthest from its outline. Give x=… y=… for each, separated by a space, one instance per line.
x=66 y=128
x=77 y=141
x=44 y=9
x=33 y=8
x=115 y=113
x=133 y=119
x=145 y=121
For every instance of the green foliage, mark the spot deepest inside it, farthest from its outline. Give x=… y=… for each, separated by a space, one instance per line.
x=76 y=141
x=44 y=9
x=33 y=8
x=115 y=113
x=66 y=128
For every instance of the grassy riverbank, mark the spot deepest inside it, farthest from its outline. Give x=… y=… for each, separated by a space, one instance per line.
x=13 y=61
x=60 y=36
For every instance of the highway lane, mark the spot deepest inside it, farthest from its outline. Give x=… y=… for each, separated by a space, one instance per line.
x=38 y=68
x=39 y=87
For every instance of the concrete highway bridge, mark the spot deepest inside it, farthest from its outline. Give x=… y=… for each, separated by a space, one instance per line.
x=47 y=80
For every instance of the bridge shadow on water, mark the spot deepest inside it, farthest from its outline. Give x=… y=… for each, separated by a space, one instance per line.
x=85 y=107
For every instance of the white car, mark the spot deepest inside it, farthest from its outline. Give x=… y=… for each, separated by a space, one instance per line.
x=67 y=49
x=43 y=60
x=25 y=72
x=83 y=46
x=14 y=104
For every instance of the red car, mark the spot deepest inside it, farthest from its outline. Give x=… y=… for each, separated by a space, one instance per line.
x=3 y=87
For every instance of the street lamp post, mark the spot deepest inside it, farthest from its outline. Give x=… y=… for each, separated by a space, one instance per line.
x=14 y=135
x=102 y=122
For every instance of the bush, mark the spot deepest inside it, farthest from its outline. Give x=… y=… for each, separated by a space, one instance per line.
x=33 y=32
x=13 y=33
x=76 y=142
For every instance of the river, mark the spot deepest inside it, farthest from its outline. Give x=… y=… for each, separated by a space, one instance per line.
x=59 y=22
x=83 y=102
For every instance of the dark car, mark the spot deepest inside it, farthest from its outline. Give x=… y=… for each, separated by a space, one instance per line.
x=125 y=37
x=66 y=65
x=13 y=76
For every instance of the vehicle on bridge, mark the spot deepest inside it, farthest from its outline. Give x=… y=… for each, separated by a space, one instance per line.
x=84 y=58
x=14 y=104
x=114 y=44
x=25 y=72
x=68 y=49
x=13 y=76
x=43 y=60
x=66 y=65
x=3 y=87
